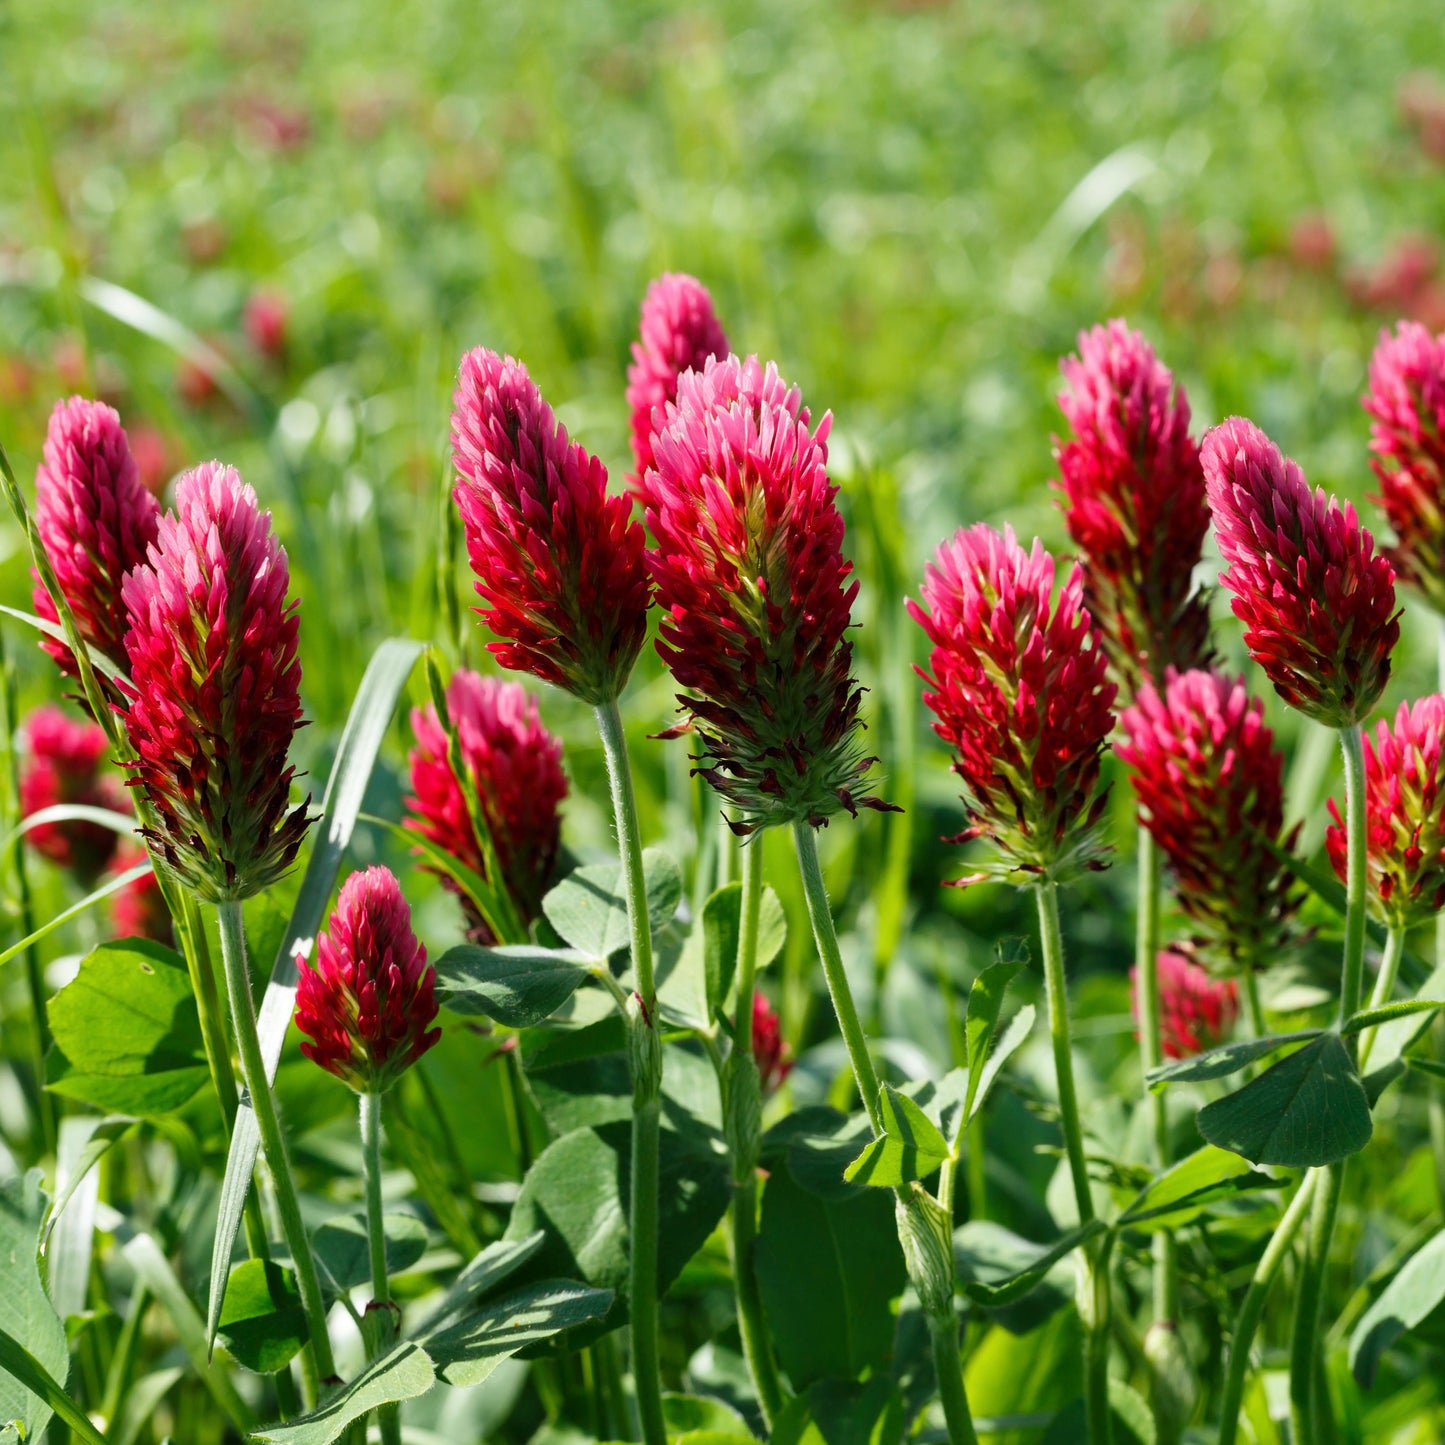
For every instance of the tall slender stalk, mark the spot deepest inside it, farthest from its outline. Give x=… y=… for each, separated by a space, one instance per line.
x=1304 y=1352
x=1094 y=1292
x=273 y=1141
x=645 y=1053
x=388 y=1417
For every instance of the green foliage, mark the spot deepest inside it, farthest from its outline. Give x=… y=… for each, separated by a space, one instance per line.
x=262 y=1322
x=26 y=1315
x=910 y=1148
x=1413 y=1296
x=588 y=908
x=517 y=985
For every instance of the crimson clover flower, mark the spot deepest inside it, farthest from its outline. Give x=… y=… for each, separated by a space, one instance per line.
x=1134 y=504
x=557 y=560
x=1020 y=691
x=368 y=1002
x=679 y=332
x=1404 y=815
x=95 y=519
x=1406 y=400
x=65 y=764
x=516 y=767
x=1196 y=1012
x=770 y=1050
x=1210 y=783
x=139 y=909
x=1317 y=601
x=755 y=594
x=213 y=700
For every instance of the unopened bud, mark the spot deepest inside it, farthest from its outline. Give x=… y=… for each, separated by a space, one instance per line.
x=644 y=1052
x=926 y=1234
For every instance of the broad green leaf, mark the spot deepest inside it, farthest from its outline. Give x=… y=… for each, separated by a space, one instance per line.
x=1184 y=1191
x=1416 y=1292
x=518 y=985
x=402 y=1374
x=588 y=908
x=911 y=1146
x=989 y=1254
x=111 y=885
x=343 y=1250
x=1371 y=1018
x=1007 y=1374
x=839 y=1412
x=985 y=1003
x=1228 y=1059
x=1307 y=1110
x=694 y=1415
x=817 y=1144
x=126 y=1030
x=1020 y=1026
x=828 y=1274
x=366 y=726
x=26 y=1314
x=1033 y=1263
x=721 y=916
x=262 y=1324
x=486 y=1269
x=22 y=1376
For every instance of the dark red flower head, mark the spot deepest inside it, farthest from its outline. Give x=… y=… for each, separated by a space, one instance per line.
x=1317 y=602
x=516 y=767
x=754 y=588
x=65 y=764
x=1020 y=691
x=1404 y=813
x=770 y=1050
x=1196 y=1012
x=557 y=560
x=367 y=1004
x=1210 y=783
x=1134 y=504
x=139 y=909
x=214 y=699
x=1406 y=399
x=95 y=519
x=679 y=332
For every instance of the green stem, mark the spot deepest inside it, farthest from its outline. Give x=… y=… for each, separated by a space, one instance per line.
x=1252 y=1005
x=273 y=1142
x=646 y=1057
x=1095 y=1289
x=948 y=1367
x=1384 y=986
x=1253 y=1307
x=388 y=1417
x=752 y=1326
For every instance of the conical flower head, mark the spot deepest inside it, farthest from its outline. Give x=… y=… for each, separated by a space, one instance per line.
x=770 y=1049
x=213 y=700
x=557 y=561
x=1134 y=504
x=64 y=763
x=1404 y=815
x=1196 y=1012
x=368 y=1002
x=95 y=519
x=755 y=594
x=1406 y=400
x=515 y=765
x=679 y=332
x=1020 y=691
x=1210 y=783
x=1316 y=600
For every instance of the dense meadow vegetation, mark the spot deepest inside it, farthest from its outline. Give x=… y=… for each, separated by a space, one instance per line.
x=268 y=236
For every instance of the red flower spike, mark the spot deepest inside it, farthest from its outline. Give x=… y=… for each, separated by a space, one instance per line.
x=1134 y=504
x=516 y=767
x=368 y=1002
x=1317 y=602
x=679 y=332
x=139 y=910
x=1404 y=815
x=213 y=700
x=770 y=1050
x=1406 y=400
x=756 y=596
x=1210 y=783
x=95 y=519
x=65 y=765
x=1021 y=693
x=1196 y=1012
x=557 y=560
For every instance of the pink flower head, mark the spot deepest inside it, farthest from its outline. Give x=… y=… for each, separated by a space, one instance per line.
x=1020 y=691
x=679 y=332
x=1406 y=399
x=214 y=699
x=1210 y=783
x=95 y=520
x=64 y=765
x=516 y=767
x=770 y=1050
x=754 y=589
x=1317 y=602
x=367 y=1004
x=139 y=909
x=1404 y=813
x=1196 y=1012
x=557 y=560
x=1134 y=504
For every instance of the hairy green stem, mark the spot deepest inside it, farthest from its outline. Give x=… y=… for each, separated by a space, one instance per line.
x=388 y=1417
x=645 y=1052
x=948 y=1367
x=273 y=1141
x=1384 y=986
